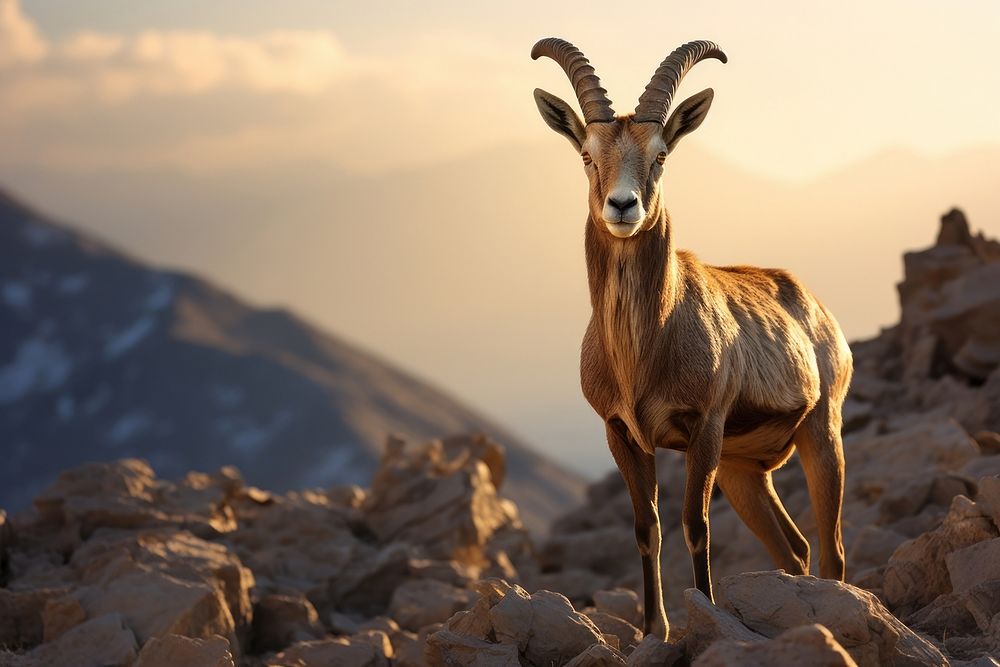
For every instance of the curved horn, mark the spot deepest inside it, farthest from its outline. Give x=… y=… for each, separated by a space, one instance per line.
x=592 y=97
x=655 y=100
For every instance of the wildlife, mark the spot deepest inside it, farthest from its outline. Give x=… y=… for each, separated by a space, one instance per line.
x=736 y=366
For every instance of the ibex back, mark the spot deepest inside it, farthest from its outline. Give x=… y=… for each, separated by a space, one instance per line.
x=735 y=366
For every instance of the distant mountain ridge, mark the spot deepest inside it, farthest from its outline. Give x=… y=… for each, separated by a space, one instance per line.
x=102 y=356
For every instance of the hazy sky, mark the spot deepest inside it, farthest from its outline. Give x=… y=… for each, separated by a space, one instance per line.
x=299 y=153
x=206 y=85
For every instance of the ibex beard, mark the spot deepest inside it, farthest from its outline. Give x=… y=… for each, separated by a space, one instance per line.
x=737 y=367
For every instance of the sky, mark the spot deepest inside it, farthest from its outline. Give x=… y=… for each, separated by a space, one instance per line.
x=381 y=168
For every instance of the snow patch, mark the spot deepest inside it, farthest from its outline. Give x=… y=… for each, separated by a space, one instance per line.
x=128 y=338
x=96 y=402
x=16 y=294
x=40 y=235
x=161 y=295
x=73 y=284
x=247 y=435
x=338 y=467
x=227 y=396
x=39 y=365
x=66 y=407
x=128 y=427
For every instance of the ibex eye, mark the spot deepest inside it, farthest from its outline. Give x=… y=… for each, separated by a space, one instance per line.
x=661 y=157
x=586 y=157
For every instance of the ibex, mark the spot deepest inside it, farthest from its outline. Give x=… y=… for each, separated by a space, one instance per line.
x=735 y=366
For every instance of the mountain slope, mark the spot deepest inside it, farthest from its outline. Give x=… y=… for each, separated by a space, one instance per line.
x=103 y=357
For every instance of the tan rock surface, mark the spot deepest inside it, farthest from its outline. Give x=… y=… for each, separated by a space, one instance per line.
x=177 y=650
x=811 y=645
x=772 y=602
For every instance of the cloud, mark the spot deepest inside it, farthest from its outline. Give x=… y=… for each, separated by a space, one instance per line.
x=20 y=42
x=91 y=66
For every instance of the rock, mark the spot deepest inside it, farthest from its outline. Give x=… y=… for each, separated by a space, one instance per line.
x=947 y=615
x=59 y=615
x=282 y=620
x=654 y=652
x=367 y=581
x=126 y=494
x=811 y=645
x=6 y=539
x=451 y=649
x=166 y=581
x=598 y=655
x=771 y=602
x=620 y=602
x=544 y=626
x=983 y=602
x=975 y=564
x=988 y=498
x=340 y=651
x=988 y=441
x=627 y=635
x=421 y=602
x=296 y=543
x=176 y=650
x=104 y=640
x=707 y=624
x=872 y=546
x=21 y=624
x=448 y=506
x=917 y=572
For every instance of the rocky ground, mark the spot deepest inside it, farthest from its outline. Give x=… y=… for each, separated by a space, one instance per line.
x=432 y=566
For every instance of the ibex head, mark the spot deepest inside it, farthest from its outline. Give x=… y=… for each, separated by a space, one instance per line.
x=623 y=156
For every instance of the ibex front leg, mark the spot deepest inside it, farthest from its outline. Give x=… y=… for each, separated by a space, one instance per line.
x=638 y=469
x=702 y=462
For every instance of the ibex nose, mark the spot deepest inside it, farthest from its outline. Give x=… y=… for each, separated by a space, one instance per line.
x=623 y=204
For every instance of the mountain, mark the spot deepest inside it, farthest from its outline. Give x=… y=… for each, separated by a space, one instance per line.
x=480 y=258
x=102 y=356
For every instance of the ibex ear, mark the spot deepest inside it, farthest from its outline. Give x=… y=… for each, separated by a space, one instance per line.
x=560 y=117
x=687 y=117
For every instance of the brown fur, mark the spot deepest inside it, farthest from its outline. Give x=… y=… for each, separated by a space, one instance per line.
x=733 y=365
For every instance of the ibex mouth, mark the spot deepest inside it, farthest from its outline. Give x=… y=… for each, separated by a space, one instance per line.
x=622 y=230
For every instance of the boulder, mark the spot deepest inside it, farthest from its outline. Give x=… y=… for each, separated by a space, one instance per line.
x=175 y=650
x=166 y=581
x=544 y=626
x=654 y=652
x=975 y=564
x=21 y=624
x=620 y=602
x=126 y=494
x=708 y=624
x=627 y=635
x=917 y=572
x=451 y=649
x=420 y=602
x=103 y=640
x=282 y=620
x=340 y=651
x=988 y=497
x=811 y=645
x=445 y=502
x=366 y=583
x=772 y=602
x=598 y=655
x=59 y=615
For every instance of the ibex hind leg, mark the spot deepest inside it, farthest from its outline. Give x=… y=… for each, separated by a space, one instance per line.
x=822 y=455
x=752 y=495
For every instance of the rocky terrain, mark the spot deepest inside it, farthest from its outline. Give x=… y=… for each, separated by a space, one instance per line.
x=431 y=565
x=104 y=357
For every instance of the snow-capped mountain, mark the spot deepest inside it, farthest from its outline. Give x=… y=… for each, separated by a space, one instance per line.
x=102 y=357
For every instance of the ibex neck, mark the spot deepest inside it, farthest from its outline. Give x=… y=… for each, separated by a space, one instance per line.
x=638 y=272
